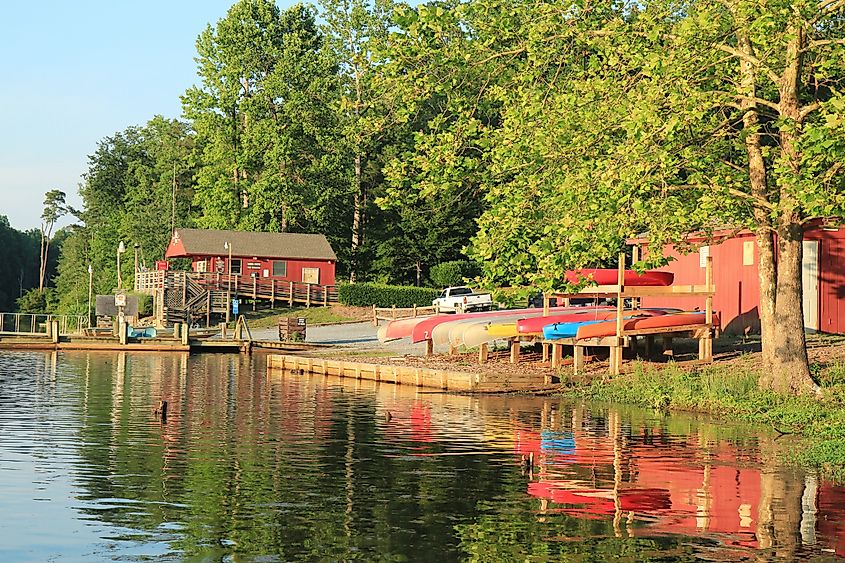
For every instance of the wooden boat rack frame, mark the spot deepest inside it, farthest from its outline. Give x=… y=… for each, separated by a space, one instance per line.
x=703 y=332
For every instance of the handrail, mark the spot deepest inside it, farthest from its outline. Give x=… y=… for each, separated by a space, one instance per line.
x=34 y=324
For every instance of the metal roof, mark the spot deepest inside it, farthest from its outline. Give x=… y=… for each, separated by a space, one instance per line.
x=209 y=242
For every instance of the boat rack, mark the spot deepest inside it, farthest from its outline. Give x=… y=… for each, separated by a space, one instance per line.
x=703 y=332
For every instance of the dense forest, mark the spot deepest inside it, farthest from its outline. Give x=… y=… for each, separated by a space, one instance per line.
x=528 y=136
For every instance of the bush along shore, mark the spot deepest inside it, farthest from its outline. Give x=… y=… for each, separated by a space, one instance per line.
x=730 y=390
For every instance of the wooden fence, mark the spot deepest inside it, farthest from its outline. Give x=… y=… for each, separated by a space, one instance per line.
x=393 y=313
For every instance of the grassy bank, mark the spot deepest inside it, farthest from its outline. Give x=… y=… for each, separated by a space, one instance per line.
x=267 y=318
x=730 y=390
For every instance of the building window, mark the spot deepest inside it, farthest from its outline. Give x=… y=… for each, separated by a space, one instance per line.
x=236 y=266
x=280 y=268
x=202 y=266
x=311 y=275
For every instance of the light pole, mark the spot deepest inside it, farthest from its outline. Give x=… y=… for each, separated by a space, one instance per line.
x=121 y=248
x=228 y=246
x=90 y=290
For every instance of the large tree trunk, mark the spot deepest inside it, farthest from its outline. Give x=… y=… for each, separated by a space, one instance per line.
x=785 y=366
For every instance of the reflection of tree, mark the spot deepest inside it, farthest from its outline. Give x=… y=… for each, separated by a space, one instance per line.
x=780 y=510
x=252 y=465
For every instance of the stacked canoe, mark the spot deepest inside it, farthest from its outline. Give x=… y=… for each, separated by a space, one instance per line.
x=474 y=329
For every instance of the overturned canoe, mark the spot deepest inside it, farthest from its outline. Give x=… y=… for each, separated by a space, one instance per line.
x=608 y=328
x=607 y=276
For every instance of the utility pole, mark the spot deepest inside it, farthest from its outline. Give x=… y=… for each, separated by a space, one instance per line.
x=173 y=203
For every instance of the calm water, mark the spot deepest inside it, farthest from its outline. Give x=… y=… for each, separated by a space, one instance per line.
x=251 y=466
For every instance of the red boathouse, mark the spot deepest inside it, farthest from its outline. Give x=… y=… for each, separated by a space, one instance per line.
x=735 y=274
x=294 y=257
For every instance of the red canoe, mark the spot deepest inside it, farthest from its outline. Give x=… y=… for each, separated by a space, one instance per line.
x=611 y=276
x=400 y=328
x=535 y=325
x=422 y=331
x=608 y=328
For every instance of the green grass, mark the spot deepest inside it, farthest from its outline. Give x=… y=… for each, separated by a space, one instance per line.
x=731 y=391
x=268 y=318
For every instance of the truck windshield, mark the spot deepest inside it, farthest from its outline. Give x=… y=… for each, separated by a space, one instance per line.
x=461 y=291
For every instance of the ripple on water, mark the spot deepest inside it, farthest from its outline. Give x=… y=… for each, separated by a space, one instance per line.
x=281 y=467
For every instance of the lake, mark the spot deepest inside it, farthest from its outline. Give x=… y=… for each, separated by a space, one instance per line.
x=259 y=466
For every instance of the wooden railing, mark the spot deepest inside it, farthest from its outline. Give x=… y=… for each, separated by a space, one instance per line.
x=393 y=313
x=36 y=324
x=268 y=289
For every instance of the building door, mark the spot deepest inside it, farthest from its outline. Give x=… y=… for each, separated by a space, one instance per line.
x=810 y=284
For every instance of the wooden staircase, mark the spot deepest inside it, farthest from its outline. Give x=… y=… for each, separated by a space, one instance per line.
x=186 y=301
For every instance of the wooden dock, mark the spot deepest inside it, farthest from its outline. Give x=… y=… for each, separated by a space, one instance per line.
x=432 y=378
x=105 y=343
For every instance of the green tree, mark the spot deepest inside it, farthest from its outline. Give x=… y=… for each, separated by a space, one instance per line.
x=18 y=265
x=54 y=209
x=672 y=118
x=356 y=31
x=139 y=182
x=264 y=124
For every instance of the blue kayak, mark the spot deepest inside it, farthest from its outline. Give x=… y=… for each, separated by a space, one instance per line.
x=148 y=332
x=565 y=330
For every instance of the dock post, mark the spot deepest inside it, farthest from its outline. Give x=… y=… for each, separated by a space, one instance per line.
x=254 y=291
x=49 y=327
x=121 y=331
x=185 y=333
x=223 y=331
x=429 y=347
x=557 y=355
x=515 y=347
x=55 y=332
x=483 y=353
x=578 y=360
x=272 y=293
x=290 y=294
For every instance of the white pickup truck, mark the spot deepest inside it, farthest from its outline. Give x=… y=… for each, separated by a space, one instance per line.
x=462 y=300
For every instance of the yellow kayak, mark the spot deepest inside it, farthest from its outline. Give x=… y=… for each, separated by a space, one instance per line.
x=502 y=329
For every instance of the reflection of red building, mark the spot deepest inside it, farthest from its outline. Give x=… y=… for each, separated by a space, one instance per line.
x=679 y=488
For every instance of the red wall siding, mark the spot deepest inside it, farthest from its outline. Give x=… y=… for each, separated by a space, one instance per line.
x=294 y=270
x=737 y=296
x=737 y=287
x=831 y=278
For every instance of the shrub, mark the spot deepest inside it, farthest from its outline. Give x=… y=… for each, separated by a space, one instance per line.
x=452 y=273
x=37 y=301
x=366 y=294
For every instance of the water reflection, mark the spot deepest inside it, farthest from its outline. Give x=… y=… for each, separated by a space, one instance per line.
x=295 y=467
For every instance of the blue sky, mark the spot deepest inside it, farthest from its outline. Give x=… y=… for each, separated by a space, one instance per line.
x=74 y=72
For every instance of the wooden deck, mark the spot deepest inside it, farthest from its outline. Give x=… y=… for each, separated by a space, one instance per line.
x=446 y=380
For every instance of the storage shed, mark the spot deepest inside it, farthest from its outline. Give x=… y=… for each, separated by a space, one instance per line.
x=294 y=257
x=735 y=268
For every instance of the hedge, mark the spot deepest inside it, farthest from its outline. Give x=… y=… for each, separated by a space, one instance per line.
x=447 y=274
x=367 y=294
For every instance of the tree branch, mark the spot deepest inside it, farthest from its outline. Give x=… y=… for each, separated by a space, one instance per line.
x=752 y=60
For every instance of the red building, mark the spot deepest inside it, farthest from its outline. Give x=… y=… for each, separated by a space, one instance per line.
x=735 y=274
x=292 y=257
